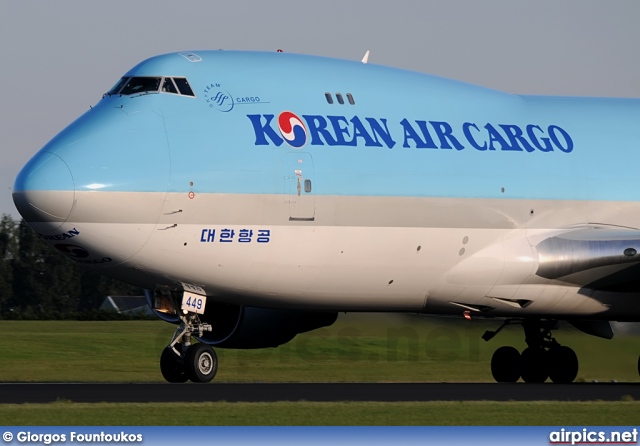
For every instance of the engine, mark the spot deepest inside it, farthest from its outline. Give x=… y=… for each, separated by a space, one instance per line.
x=240 y=327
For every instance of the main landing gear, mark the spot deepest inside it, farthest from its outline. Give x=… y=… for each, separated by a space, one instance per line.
x=543 y=358
x=181 y=361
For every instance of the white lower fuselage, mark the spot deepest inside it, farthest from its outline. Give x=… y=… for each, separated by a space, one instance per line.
x=432 y=255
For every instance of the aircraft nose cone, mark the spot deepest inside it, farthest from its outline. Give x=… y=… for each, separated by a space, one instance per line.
x=44 y=192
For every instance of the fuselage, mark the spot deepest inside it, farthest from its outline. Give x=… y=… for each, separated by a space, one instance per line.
x=290 y=181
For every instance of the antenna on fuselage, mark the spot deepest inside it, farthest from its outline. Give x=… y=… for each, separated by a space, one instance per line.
x=365 y=59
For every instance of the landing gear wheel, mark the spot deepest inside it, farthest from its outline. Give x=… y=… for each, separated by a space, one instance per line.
x=505 y=365
x=563 y=365
x=534 y=363
x=201 y=363
x=171 y=367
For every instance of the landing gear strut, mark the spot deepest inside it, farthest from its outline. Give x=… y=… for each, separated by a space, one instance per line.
x=181 y=361
x=543 y=358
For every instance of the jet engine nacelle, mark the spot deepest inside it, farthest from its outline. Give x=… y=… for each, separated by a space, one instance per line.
x=240 y=327
x=249 y=327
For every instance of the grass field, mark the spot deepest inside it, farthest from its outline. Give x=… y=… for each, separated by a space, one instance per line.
x=369 y=348
x=358 y=348
x=442 y=413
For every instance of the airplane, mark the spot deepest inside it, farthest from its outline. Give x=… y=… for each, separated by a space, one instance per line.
x=255 y=195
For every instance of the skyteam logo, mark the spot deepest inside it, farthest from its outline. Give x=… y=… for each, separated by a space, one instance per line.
x=292 y=129
x=218 y=98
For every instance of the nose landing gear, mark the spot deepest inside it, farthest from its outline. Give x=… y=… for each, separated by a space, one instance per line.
x=172 y=365
x=181 y=361
x=201 y=363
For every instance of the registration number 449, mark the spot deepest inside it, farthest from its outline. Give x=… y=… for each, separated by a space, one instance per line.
x=193 y=303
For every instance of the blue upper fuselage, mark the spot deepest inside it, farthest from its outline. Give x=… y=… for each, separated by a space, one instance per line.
x=370 y=130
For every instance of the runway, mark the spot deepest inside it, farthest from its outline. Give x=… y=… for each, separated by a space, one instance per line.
x=272 y=392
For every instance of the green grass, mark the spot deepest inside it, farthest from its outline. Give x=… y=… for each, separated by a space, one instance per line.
x=326 y=414
x=369 y=348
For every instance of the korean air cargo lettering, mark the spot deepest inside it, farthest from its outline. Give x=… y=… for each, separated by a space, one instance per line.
x=253 y=208
x=374 y=132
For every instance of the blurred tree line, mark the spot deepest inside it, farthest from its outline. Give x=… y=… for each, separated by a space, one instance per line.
x=37 y=282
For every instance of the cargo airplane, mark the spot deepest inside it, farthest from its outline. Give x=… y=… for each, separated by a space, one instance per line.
x=255 y=195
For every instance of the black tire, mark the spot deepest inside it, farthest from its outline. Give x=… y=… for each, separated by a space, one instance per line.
x=201 y=363
x=534 y=363
x=171 y=367
x=563 y=365
x=505 y=365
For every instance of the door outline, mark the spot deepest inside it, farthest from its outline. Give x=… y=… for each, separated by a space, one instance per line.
x=299 y=186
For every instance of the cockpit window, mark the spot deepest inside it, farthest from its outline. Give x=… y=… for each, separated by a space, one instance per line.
x=137 y=85
x=168 y=86
x=141 y=85
x=116 y=88
x=183 y=86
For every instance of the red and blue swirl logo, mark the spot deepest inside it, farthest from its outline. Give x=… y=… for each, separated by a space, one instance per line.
x=292 y=129
x=75 y=251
